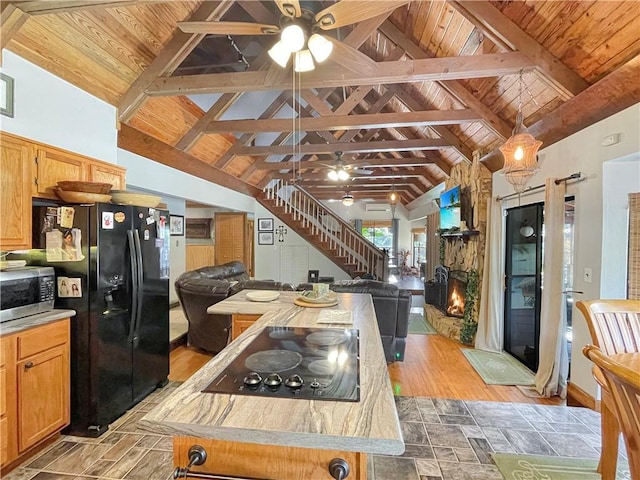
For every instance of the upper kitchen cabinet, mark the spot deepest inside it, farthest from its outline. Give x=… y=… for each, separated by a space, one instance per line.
x=101 y=172
x=15 y=194
x=54 y=165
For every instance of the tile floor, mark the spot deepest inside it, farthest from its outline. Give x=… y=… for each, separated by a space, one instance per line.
x=445 y=440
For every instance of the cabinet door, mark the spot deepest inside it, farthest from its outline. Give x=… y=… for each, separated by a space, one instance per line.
x=230 y=239
x=107 y=174
x=55 y=166
x=43 y=395
x=15 y=194
x=8 y=400
x=240 y=323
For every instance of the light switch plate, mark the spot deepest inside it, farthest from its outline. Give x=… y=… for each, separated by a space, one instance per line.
x=588 y=275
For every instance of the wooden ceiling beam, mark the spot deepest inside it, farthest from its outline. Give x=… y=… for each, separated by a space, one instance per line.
x=175 y=51
x=400 y=71
x=348 y=147
x=347 y=122
x=610 y=95
x=147 y=146
x=46 y=7
x=11 y=19
x=504 y=32
x=454 y=88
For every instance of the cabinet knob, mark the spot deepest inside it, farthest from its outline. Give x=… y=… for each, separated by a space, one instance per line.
x=29 y=365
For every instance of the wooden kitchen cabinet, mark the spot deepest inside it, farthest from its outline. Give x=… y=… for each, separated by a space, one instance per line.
x=36 y=399
x=231 y=238
x=107 y=173
x=240 y=323
x=15 y=194
x=53 y=166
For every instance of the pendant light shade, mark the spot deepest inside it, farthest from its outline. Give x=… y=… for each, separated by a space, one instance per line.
x=332 y=175
x=520 y=153
x=320 y=47
x=293 y=36
x=347 y=200
x=303 y=61
x=280 y=53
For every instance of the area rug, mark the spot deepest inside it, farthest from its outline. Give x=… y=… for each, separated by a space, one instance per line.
x=419 y=326
x=498 y=368
x=518 y=467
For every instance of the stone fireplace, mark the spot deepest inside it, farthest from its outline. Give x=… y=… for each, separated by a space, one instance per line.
x=460 y=255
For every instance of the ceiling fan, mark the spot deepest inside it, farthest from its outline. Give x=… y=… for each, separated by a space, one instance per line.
x=298 y=28
x=341 y=172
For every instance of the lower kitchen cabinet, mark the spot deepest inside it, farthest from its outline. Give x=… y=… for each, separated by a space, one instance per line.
x=240 y=323
x=35 y=400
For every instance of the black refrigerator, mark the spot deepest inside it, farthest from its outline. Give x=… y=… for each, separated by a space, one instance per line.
x=112 y=268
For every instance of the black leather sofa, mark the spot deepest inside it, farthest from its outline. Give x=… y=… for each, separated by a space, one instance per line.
x=392 y=306
x=199 y=289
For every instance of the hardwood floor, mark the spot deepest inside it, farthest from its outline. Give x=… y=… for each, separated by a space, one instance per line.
x=434 y=367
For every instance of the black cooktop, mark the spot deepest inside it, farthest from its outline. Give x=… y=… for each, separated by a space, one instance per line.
x=291 y=362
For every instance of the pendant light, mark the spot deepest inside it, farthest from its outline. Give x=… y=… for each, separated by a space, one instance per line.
x=520 y=150
x=347 y=199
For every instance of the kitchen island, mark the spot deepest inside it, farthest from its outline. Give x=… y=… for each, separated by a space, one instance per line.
x=284 y=438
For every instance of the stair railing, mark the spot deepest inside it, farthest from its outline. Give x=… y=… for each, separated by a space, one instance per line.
x=334 y=235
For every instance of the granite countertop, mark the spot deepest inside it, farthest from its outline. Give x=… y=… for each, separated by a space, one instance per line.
x=370 y=425
x=15 y=326
x=240 y=304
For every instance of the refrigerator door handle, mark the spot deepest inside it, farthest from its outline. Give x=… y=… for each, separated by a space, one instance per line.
x=134 y=284
x=136 y=238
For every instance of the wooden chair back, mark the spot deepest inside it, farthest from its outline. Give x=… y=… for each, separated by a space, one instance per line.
x=624 y=385
x=614 y=324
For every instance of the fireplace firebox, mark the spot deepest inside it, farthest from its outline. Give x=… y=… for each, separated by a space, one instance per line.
x=447 y=291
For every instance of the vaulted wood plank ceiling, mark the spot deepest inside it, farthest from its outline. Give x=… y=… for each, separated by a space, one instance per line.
x=407 y=93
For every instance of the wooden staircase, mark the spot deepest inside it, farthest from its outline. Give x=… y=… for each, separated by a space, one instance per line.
x=331 y=235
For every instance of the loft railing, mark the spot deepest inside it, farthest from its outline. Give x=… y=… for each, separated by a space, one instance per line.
x=330 y=230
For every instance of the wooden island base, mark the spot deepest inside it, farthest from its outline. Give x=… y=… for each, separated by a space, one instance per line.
x=266 y=461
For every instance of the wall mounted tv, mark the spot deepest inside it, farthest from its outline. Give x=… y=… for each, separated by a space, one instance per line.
x=450 y=209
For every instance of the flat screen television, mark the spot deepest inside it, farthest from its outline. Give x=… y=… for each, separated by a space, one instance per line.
x=450 y=209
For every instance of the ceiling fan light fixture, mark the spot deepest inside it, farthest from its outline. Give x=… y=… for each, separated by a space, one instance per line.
x=303 y=61
x=320 y=47
x=280 y=53
x=332 y=175
x=342 y=174
x=293 y=37
x=347 y=200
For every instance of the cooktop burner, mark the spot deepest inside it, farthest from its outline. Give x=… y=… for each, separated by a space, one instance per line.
x=291 y=362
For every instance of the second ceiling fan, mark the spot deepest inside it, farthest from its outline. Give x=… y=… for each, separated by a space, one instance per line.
x=342 y=172
x=298 y=28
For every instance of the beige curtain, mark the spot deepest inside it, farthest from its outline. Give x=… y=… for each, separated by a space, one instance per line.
x=433 y=246
x=490 y=335
x=551 y=378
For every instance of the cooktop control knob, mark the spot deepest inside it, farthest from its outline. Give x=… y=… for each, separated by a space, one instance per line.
x=294 y=381
x=252 y=379
x=273 y=380
x=314 y=384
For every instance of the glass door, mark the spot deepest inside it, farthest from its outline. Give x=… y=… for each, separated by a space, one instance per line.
x=523 y=283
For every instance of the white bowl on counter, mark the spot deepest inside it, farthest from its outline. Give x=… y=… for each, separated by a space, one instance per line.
x=262 y=295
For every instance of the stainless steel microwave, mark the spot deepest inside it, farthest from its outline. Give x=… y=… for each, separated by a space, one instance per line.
x=26 y=291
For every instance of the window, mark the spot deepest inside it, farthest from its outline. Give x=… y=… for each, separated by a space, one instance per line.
x=380 y=233
x=419 y=246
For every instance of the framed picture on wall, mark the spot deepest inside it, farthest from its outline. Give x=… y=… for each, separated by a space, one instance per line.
x=176 y=225
x=265 y=224
x=265 y=238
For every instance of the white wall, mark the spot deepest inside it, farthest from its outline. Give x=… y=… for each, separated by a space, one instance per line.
x=269 y=257
x=52 y=111
x=582 y=152
x=620 y=177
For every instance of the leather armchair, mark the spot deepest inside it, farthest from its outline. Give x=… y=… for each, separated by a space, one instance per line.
x=199 y=289
x=392 y=307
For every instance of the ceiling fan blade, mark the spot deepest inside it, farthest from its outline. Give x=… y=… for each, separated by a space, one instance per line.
x=228 y=28
x=347 y=12
x=362 y=171
x=289 y=8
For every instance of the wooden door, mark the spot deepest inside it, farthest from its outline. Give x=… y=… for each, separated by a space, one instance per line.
x=39 y=413
x=55 y=166
x=230 y=239
x=116 y=176
x=15 y=194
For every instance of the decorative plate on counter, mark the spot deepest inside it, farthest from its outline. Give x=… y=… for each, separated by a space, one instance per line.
x=122 y=197
x=262 y=295
x=309 y=296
